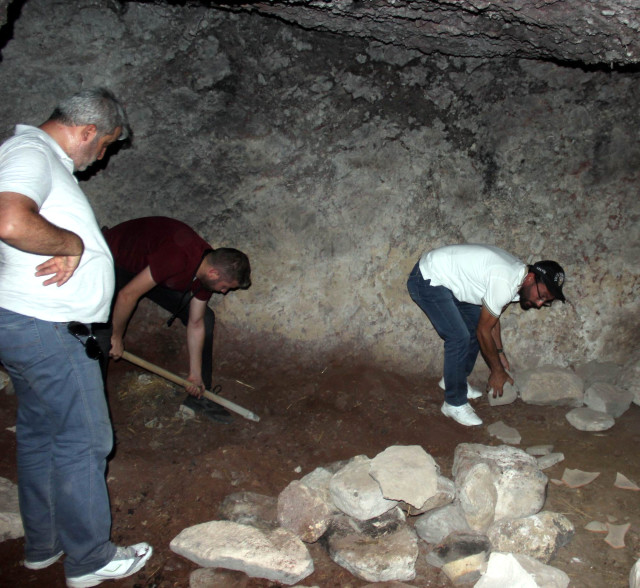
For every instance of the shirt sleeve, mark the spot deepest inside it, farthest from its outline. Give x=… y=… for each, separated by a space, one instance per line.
x=26 y=170
x=498 y=295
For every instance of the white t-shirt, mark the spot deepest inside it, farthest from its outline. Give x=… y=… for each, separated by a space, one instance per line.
x=33 y=164
x=477 y=274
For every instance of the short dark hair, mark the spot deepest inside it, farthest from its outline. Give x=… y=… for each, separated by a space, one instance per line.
x=232 y=264
x=95 y=106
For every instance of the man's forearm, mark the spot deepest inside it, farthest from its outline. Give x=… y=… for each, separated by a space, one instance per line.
x=122 y=312
x=195 y=344
x=489 y=349
x=24 y=228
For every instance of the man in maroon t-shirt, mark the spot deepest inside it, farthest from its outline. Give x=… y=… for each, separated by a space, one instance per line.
x=166 y=261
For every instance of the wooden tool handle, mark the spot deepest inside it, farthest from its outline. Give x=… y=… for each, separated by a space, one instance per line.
x=247 y=414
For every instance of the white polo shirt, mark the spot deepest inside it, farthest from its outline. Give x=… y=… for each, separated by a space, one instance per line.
x=477 y=274
x=33 y=164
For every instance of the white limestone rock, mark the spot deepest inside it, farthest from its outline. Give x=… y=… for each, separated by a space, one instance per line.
x=356 y=493
x=478 y=496
x=445 y=494
x=634 y=575
x=597 y=371
x=587 y=419
x=538 y=536
x=544 y=575
x=406 y=473
x=435 y=525
x=503 y=569
x=547 y=461
x=10 y=520
x=608 y=398
x=279 y=556
x=319 y=480
x=303 y=511
x=519 y=484
x=551 y=386
x=382 y=552
x=510 y=393
x=539 y=450
x=504 y=432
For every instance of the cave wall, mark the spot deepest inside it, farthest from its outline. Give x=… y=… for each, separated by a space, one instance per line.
x=334 y=162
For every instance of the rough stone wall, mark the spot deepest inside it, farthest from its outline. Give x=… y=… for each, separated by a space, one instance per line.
x=578 y=31
x=335 y=162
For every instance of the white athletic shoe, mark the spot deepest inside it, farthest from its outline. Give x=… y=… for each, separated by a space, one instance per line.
x=126 y=562
x=45 y=563
x=472 y=393
x=465 y=415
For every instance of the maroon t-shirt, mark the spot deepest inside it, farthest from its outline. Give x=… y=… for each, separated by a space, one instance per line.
x=170 y=248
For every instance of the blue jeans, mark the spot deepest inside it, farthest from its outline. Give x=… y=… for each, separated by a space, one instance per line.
x=456 y=323
x=64 y=436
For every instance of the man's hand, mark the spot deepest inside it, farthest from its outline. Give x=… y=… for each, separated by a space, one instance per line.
x=117 y=347
x=197 y=387
x=61 y=266
x=497 y=380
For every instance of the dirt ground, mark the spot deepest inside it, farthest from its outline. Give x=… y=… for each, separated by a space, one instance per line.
x=168 y=474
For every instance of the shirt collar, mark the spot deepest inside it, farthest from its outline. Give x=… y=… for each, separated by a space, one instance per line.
x=22 y=130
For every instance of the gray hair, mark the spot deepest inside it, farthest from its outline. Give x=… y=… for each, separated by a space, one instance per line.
x=96 y=106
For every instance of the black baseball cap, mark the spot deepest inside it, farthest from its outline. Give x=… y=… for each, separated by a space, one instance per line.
x=552 y=275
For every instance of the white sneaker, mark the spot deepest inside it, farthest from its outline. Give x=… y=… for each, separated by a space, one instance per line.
x=465 y=415
x=45 y=563
x=126 y=562
x=472 y=393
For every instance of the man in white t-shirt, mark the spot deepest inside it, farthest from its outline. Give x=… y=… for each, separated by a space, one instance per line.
x=464 y=289
x=56 y=278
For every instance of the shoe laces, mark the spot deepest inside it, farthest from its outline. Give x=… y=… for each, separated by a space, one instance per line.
x=467 y=409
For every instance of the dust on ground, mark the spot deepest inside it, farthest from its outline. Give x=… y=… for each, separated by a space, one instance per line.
x=168 y=474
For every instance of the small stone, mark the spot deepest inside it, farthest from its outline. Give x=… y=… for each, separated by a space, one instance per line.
x=587 y=419
x=615 y=538
x=578 y=478
x=547 y=461
x=504 y=433
x=625 y=483
x=538 y=450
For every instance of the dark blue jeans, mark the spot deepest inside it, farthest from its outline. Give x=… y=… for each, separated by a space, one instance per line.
x=64 y=436
x=456 y=323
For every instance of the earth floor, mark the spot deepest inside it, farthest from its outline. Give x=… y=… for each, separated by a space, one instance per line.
x=168 y=474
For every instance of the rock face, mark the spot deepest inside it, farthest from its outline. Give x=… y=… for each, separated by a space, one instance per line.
x=590 y=32
x=335 y=161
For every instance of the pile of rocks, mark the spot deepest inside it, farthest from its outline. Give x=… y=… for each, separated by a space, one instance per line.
x=598 y=393
x=371 y=515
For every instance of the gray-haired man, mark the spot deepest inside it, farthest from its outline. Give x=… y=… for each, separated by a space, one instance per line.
x=57 y=278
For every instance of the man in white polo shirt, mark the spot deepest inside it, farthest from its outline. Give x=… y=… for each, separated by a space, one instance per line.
x=56 y=279
x=464 y=289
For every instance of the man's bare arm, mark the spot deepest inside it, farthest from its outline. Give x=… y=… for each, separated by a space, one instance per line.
x=23 y=227
x=195 y=343
x=125 y=305
x=485 y=334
